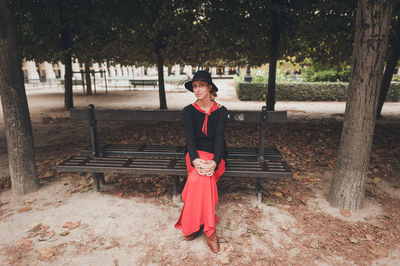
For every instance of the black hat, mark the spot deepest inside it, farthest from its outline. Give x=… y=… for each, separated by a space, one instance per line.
x=200 y=75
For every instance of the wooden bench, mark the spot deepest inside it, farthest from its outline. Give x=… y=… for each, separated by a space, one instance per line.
x=143 y=82
x=245 y=162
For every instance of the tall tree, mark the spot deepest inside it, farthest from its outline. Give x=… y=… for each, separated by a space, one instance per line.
x=20 y=147
x=155 y=27
x=370 y=44
x=392 y=59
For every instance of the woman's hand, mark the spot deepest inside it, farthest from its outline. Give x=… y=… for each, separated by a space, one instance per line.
x=198 y=164
x=205 y=168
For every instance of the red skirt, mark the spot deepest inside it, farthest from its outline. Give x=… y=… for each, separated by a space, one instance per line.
x=200 y=196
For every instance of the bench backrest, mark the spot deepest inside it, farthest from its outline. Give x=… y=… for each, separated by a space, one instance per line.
x=172 y=115
x=93 y=115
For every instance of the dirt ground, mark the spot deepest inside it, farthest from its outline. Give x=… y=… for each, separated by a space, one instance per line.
x=131 y=221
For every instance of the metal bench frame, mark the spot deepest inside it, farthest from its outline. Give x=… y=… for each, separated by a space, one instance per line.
x=241 y=161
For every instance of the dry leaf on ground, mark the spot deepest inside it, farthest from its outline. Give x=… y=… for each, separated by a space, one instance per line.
x=345 y=213
x=25 y=209
x=378 y=251
x=71 y=225
x=23 y=242
x=48 y=252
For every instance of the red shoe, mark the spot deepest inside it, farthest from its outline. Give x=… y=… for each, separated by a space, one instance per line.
x=213 y=242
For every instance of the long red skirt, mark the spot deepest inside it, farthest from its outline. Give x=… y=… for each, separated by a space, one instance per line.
x=200 y=196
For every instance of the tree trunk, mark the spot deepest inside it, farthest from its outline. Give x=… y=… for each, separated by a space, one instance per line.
x=161 y=87
x=68 y=95
x=275 y=36
x=370 y=43
x=88 y=80
x=21 y=155
x=66 y=41
x=392 y=59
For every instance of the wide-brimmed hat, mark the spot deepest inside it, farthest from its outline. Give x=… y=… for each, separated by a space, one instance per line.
x=200 y=75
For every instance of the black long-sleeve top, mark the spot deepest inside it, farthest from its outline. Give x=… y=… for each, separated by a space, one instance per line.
x=214 y=142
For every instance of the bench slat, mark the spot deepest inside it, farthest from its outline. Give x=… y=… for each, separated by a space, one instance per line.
x=169 y=151
x=235 y=168
x=172 y=115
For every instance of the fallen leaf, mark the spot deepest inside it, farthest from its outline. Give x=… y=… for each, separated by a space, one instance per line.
x=232 y=226
x=222 y=240
x=64 y=233
x=278 y=194
x=345 y=213
x=377 y=179
x=269 y=203
x=48 y=252
x=293 y=252
x=32 y=234
x=289 y=199
x=47 y=236
x=296 y=176
x=35 y=225
x=314 y=244
x=184 y=255
x=337 y=234
x=378 y=251
x=47 y=175
x=303 y=199
x=71 y=225
x=312 y=179
x=23 y=242
x=353 y=240
x=43 y=229
x=25 y=209
x=29 y=201
x=85 y=189
x=369 y=237
x=3 y=203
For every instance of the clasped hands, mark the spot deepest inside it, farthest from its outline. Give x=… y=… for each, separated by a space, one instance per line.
x=203 y=167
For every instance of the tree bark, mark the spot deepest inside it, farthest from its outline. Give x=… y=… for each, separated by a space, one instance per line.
x=275 y=36
x=161 y=86
x=88 y=80
x=66 y=41
x=392 y=59
x=370 y=43
x=68 y=94
x=21 y=155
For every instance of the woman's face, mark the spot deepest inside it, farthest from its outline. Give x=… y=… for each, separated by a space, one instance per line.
x=201 y=89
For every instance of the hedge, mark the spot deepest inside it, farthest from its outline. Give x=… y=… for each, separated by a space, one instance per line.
x=304 y=91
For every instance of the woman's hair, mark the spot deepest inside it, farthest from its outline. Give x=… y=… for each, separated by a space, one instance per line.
x=214 y=94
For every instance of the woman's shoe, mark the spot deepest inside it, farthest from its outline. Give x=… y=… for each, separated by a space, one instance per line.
x=192 y=236
x=213 y=242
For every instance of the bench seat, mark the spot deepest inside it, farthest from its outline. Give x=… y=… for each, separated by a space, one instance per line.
x=249 y=153
x=168 y=166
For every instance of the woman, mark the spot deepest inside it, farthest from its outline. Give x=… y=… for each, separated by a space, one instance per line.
x=205 y=160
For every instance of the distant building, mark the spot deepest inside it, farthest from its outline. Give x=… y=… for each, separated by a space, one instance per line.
x=47 y=71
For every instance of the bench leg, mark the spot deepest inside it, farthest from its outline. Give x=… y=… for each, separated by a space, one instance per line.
x=259 y=190
x=97 y=178
x=175 y=180
x=103 y=181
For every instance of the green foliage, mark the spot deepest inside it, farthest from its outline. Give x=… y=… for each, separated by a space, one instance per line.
x=317 y=73
x=304 y=91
